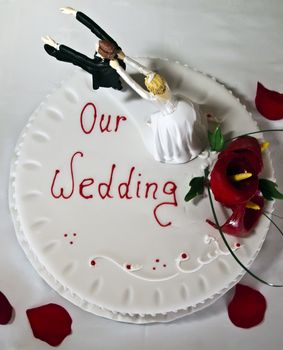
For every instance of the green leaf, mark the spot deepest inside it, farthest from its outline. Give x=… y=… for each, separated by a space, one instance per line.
x=269 y=190
x=197 y=188
x=216 y=139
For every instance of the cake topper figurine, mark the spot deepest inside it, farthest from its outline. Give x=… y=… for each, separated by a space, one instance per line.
x=103 y=75
x=179 y=130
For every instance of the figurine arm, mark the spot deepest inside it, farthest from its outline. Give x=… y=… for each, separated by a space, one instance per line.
x=95 y=28
x=136 y=65
x=131 y=82
x=89 y=23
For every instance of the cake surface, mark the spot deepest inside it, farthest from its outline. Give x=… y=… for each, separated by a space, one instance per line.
x=106 y=225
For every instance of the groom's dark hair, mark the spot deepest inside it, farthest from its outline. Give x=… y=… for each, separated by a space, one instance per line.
x=107 y=49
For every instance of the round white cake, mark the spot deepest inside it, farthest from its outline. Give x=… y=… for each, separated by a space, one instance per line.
x=104 y=223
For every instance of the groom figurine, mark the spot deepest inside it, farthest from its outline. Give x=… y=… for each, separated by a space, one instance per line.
x=103 y=75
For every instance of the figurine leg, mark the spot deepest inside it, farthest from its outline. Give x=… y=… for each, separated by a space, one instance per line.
x=66 y=54
x=103 y=75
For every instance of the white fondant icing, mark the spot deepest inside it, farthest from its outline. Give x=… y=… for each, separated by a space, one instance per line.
x=123 y=230
x=208 y=258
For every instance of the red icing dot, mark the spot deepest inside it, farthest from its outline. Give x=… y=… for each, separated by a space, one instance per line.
x=65 y=235
x=247 y=307
x=74 y=234
x=164 y=265
x=71 y=242
x=238 y=245
x=154 y=268
x=93 y=262
x=128 y=267
x=157 y=260
x=184 y=255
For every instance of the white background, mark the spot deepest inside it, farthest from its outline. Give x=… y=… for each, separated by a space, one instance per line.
x=238 y=42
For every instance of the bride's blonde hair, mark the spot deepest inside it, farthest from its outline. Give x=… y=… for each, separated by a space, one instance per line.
x=155 y=83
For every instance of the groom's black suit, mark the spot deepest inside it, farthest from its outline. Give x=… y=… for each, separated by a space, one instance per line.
x=103 y=75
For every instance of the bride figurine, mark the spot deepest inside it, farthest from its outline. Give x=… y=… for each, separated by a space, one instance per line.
x=179 y=130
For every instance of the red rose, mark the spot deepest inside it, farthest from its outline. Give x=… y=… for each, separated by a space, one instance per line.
x=242 y=156
x=235 y=184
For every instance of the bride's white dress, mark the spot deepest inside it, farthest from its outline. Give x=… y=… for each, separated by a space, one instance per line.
x=180 y=135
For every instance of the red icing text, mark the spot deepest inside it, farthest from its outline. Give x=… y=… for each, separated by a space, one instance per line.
x=134 y=187
x=89 y=118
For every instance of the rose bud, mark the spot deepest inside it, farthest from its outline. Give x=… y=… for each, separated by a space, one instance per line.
x=244 y=217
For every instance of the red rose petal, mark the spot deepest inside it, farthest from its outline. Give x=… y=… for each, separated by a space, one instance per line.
x=6 y=310
x=50 y=323
x=249 y=146
x=269 y=103
x=247 y=307
x=244 y=143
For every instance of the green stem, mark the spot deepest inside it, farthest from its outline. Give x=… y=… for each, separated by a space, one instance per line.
x=273 y=223
x=251 y=133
